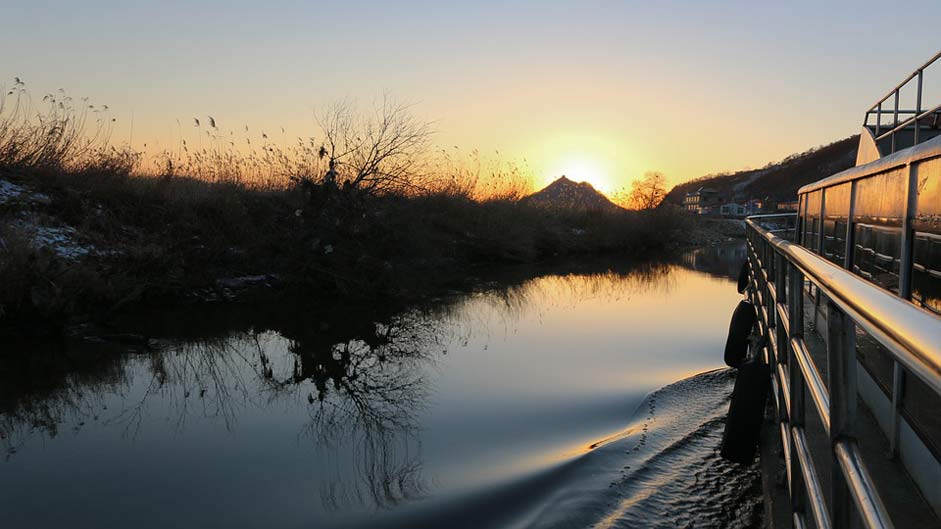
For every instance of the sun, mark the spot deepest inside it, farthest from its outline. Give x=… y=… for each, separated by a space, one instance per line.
x=583 y=169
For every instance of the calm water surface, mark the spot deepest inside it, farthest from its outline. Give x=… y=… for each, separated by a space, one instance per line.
x=536 y=403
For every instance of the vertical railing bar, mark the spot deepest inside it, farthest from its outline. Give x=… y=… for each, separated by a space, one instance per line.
x=795 y=301
x=905 y=291
x=879 y=119
x=823 y=213
x=780 y=285
x=918 y=104
x=850 y=243
x=895 y=118
x=781 y=328
x=908 y=213
x=841 y=361
x=819 y=241
x=898 y=393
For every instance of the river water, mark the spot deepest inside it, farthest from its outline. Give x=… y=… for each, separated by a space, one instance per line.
x=573 y=396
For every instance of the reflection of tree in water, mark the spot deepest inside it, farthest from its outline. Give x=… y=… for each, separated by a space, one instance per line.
x=363 y=384
x=362 y=393
x=366 y=394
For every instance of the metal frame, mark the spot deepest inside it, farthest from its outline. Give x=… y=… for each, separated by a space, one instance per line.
x=917 y=114
x=780 y=270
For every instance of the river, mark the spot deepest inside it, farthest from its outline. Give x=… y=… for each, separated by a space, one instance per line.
x=586 y=395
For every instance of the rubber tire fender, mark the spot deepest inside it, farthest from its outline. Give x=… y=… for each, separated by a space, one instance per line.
x=743 y=278
x=746 y=413
x=736 y=345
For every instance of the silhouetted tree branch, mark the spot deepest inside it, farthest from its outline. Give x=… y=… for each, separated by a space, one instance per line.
x=378 y=153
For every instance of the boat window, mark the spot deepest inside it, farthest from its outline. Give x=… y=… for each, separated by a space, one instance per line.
x=926 y=250
x=811 y=239
x=880 y=203
x=836 y=217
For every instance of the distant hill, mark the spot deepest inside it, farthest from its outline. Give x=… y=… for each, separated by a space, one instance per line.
x=779 y=181
x=566 y=194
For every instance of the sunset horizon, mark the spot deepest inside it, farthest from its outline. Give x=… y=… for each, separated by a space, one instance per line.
x=500 y=264
x=514 y=83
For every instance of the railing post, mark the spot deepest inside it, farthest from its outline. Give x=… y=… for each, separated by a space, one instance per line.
x=895 y=118
x=907 y=243
x=921 y=75
x=905 y=291
x=780 y=285
x=879 y=119
x=769 y=301
x=795 y=314
x=841 y=360
x=898 y=392
x=850 y=243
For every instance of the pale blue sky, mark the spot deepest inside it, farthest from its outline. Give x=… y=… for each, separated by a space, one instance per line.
x=681 y=86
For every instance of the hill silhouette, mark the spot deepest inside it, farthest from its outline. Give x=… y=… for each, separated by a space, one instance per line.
x=567 y=194
x=778 y=181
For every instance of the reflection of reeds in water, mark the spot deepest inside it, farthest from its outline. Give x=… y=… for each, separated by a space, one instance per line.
x=363 y=392
x=510 y=303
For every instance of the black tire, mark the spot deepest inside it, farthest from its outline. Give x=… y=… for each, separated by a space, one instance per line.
x=743 y=278
x=736 y=346
x=746 y=413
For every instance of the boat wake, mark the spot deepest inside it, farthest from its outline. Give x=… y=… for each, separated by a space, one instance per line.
x=663 y=470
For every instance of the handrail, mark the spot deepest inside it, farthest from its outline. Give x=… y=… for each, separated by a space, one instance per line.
x=911 y=335
x=895 y=112
x=906 y=80
x=914 y=119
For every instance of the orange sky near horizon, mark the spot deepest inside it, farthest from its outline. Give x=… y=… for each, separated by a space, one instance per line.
x=599 y=91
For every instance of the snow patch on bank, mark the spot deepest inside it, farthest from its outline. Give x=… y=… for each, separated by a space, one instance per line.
x=10 y=192
x=60 y=239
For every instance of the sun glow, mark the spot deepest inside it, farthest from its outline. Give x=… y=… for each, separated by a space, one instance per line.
x=583 y=169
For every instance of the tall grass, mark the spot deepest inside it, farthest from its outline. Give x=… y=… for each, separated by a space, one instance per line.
x=167 y=223
x=60 y=134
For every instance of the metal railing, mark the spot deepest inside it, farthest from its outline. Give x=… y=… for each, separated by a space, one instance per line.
x=917 y=115
x=782 y=275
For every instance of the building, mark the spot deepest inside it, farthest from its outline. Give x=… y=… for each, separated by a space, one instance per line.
x=787 y=206
x=732 y=209
x=754 y=206
x=703 y=201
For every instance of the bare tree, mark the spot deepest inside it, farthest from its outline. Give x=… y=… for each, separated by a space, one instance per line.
x=649 y=191
x=376 y=153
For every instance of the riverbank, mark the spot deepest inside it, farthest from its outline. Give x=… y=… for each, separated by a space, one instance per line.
x=90 y=244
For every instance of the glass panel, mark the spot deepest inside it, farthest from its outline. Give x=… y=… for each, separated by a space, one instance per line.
x=838 y=200
x=811 y=238
x=926 y=252
x=926 y=271
x=834 y=242
x=836 y=210
x=927 y=216
x=881 y=199
x=880 y=205
x=876 y=254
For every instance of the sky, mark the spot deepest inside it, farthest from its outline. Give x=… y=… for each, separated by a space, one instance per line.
x=600 y=91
